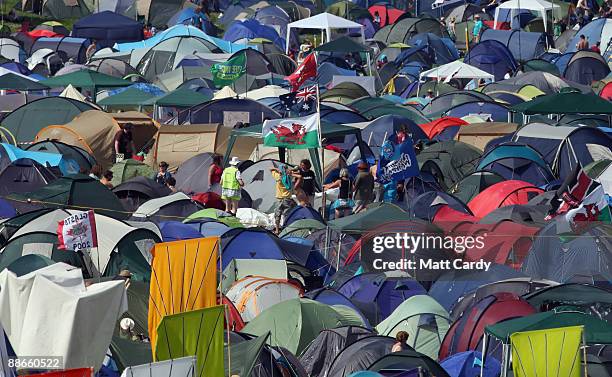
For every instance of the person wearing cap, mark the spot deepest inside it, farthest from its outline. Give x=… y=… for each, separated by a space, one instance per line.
x=124 y=142
x=430 y=94
x=284 y=187
x=163 y=174
x=363 y=187
x=231 y=182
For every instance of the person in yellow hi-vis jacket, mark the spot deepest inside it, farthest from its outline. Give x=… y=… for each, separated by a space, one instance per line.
x=231 y=183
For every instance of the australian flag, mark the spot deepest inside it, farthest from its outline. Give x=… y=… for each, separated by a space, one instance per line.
x=303 y=101
x=397 y=160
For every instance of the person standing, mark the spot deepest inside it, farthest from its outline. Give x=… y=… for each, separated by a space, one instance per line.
x=163 y=174
x=363 y=187
x=124 y=142
x=306 y=181
x=231 y=182
x=582 y=43
x=214 y=172
x=284 y=186
x=477 y=28
x=344 y=204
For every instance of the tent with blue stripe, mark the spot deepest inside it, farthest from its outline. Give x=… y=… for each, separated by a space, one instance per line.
x=10 y=153
x=517 y=161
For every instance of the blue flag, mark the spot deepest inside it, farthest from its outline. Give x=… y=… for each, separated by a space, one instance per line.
x=397 y=162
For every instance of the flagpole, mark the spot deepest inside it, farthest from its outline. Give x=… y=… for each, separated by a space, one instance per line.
x=323 y=196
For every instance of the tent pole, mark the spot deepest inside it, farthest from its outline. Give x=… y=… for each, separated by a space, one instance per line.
x=369 y=63
x=484 y=350
x=584 y=354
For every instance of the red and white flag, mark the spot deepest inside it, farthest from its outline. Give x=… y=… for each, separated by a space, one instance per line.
x=78 y=231
x=306 y=70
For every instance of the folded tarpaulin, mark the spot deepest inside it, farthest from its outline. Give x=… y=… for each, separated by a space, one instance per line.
x=50 y=312
x=181 y=367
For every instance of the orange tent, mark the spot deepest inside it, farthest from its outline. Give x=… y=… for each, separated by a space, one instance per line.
x=183 y=278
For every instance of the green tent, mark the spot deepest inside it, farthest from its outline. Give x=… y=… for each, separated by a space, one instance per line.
x=131 y=97
x=26 y=121
x=125 y=350
x=449 y=161
x=565 y=103
x=424 y=319
x=364 y=104
x=376 y=215
x=596 y=331
x=405 y=111
x=180 y=98
x=128 y=169
x=583 y=296
x=348 y=10
x=16 y=82
x=301 y=228
x=244 y=356
x=541 y=65
x=195 y=333
x=343 y=44
x=77 y=191
x=295 y=323
x=344 y=93
x=213 y=213
x=28 y=263
x=86 y=78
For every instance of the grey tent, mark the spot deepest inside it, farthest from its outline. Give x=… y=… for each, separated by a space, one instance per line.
x=192 y=175
x=406 y=28
x=360 y=355
x=24 y=175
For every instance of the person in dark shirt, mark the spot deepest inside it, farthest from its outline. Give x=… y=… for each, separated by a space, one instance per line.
x=124 y=142
x=163 y=174
x=306 y=181
x=363 y=186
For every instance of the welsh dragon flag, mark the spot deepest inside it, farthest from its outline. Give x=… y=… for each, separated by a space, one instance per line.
x=292 y=133
x=594 y=207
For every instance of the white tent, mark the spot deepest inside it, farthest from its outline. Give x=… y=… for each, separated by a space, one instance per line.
x=456 y=70
x=182 y=367
x=324 y=22
x=71 y=92
x=540 y=6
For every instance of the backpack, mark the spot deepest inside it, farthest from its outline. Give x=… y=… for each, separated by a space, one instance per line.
x=286 y=178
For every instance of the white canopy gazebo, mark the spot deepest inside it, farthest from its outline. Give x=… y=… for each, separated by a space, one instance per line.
x=540 y=6
x=455 y=70
x=324 y=22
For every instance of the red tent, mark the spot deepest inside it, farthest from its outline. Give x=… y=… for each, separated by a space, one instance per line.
x=235 y=320
x=388 y=15
x=209 y=200
x=466 y=333
x=502 y=194
x=435 y=127
x=606 y=92
x=43 y=33
x=447 y=215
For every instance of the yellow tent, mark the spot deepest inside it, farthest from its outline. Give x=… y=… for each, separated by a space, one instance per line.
x=183 y=278
x=550 y=352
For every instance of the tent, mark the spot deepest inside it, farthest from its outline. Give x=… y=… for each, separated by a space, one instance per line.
x=176 y=144
x=192 y=174
x=244 y=30
x=598 y=30
x=57 y=162
x=472 y=184
x=176 y=231
x=10 y=49
x=448 y=161
x=466 y=364
x=108 y=28
x=30 y=118
x=517 y=161
x=94 y=131
x=327 y=345
x=480 y=134
x=24 y=175
x=128 y=169
x=540 y=6
x=585 y=67
x=456 y=70
x=406 y=27
x=326 y=23
x=214 y=214
x=359 y=355
x=133 y=192
x=254 y=294
x=86 y=78
x=295 y=323
x=14 y=81
x=423 y=319
x=388 y=14
x=502 y=194
x=172 y=207
x=493 y=57
x=522 y=44
x=66 y=47
x=239 y=269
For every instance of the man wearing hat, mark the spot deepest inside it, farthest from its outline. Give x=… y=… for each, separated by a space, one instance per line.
x=231 y=182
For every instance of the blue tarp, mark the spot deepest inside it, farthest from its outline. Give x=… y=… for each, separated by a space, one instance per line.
x=176 y=231
x=108 y=28
x=469 y=364
x=65 y=165
x=251 y=29
x=180 y=31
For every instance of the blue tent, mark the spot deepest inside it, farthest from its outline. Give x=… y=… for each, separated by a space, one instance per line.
x=208 y=227
x=469 y=364
x=440 y=50
x=426 y=205
x=71 y=47
x=594 y=31
x=517 y=161
x=380 y=128
x=301 y=213
x=341 y=116
x=180 y=31
x=215 y=111
x=378 y=294
x=65 y=165
x=453 y=285
x=332 y=297
x=562 y=61
x=522 y=44
x=493 y=110
x=585 y=67
x=260 y=244
x=184 y=17
x=108 y=28
x=492 y=57
x=17 y=67
x=6 y=210
x=251 y=29
x=326 y=71
x=176 y=230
